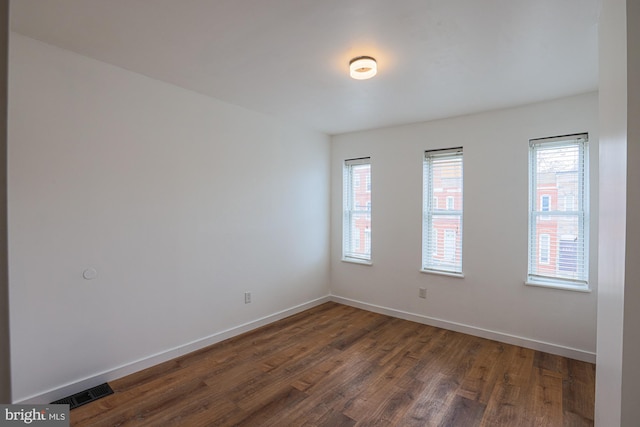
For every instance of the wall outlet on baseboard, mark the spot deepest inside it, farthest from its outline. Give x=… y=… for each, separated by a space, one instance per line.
x=247 y=297
x=422 y=293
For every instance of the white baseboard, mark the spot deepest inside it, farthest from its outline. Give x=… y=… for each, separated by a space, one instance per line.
x=572 y=353
x=147 y=362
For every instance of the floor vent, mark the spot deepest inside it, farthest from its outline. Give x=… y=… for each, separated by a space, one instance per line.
x=86 y=396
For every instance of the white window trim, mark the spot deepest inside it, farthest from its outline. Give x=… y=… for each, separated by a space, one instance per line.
x=442 y=273
x=552 y=284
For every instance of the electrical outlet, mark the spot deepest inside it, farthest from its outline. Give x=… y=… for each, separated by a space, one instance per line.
x=423 y=293
x=247 y=297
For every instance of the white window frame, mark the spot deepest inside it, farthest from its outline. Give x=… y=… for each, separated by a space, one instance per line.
x=580 y=210
x=349 y=253
x=430 y=264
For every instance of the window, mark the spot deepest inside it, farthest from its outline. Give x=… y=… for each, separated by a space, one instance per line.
x=449 y=245
x=450 y=203
x=357 y=211
x=442 y=171
x=558 y=239
x=545 y=203
x=544 y=249
x=568 y=202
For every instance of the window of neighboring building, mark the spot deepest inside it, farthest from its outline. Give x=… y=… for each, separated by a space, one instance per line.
x=568 y=202
x=450 y=203
x=545 y=203
x=544 y=248
x=356 y=211
x=442 y=170
x=558 y=239
x=449 y=245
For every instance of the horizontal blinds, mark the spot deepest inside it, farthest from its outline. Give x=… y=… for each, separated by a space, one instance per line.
x=358 y=161
x=356 y=243
x=558 y=209
x=442 y=200
x=560 y=140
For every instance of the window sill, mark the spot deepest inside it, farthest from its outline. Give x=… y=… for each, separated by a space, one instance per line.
x=444 y=273
x=357 y=261
x=558 y=285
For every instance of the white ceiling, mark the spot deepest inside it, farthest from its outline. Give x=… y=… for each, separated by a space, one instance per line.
x=289 y=58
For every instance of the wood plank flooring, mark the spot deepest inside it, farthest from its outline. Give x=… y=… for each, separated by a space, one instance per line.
x=336 y=365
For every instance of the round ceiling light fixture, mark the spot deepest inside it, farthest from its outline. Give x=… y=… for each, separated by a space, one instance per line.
x=363 y=67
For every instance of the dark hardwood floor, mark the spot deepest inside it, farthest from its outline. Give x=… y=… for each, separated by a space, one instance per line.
x=336 y=365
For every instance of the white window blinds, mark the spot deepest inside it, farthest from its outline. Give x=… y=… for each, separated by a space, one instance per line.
x=356 y=226
x=442 y=211
x=559 y=211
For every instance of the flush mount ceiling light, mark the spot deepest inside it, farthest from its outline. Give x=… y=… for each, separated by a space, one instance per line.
x=363 y=67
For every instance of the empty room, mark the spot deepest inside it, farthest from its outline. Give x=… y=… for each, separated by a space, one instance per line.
x=329 y=213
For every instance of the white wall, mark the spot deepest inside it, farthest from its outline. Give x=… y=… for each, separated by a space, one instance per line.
x=492 y=299
x=613 y=183
x=618 y=376
x=180 y=202
x=5 y=356
x=631 y=339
